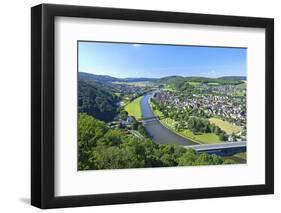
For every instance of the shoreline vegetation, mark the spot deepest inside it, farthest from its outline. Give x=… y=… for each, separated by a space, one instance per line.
x=205 y=138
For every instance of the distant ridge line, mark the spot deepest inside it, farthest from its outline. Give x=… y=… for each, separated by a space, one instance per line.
x=108 y=78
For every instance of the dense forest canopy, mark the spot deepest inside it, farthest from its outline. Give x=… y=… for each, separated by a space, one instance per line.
x=103 y=148
x=100 y=78
x=97 y=100
x=107 y=78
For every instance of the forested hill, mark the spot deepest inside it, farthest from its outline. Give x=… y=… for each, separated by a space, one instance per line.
x=97 y=100
x=181 y=83
x=220 y=80
x=101 y=78
x=234 y=78
x=106 y=78
x=165 y=80
x=171 y=80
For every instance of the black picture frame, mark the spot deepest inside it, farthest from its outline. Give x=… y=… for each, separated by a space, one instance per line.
x=43 y=111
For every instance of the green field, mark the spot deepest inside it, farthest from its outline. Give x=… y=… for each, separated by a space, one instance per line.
x=213 y=84
x=225 y=126
x=133 y=108
x=168 y=87
x=239 y=93
x=194 y=83
x=137 y=84
x=206 y=138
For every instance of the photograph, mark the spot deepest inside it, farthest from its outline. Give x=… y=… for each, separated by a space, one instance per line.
x=144 y=105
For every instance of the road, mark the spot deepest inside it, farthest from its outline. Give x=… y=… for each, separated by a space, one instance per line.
x=159 y=133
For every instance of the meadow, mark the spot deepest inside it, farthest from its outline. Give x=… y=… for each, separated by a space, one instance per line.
x=225 y=126
x=133 y=108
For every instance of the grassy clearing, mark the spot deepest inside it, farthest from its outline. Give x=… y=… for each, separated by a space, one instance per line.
x=225 y=126
x=133 y=108
x=168 y=87
x=137 y=84
x=239 y=94
x=213 y=84
x=193 y=83
x=206 y=138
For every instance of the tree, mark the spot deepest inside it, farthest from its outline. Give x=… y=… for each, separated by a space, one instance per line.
x=114 y=158
x=228 y=161
x=123 y=115
x=170 y=154
x=103 y=148
x=198 y=125
x=188 y=158
x=113 y=137
x=204 y=159
x=142 y=130
x=217 y=130
x=90 y=130
x=222 y=136
x=134 y=124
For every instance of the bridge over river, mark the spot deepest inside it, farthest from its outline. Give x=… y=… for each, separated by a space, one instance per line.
x=162 y=135
x=222 y=149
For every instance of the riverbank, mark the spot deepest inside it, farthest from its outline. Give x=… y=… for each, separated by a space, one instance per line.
x=161 y=137
x=157 y=131
x=206 y=138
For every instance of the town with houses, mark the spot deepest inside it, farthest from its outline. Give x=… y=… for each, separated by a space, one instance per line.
x=225 y=106
x=225 y=102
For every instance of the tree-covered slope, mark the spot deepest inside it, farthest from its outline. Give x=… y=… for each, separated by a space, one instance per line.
x=96 y=100
x=101 y=78
x=107 y=78
x=181 y=83
x=101 y=147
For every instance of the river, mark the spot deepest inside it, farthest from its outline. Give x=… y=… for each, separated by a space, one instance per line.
x=159 y=133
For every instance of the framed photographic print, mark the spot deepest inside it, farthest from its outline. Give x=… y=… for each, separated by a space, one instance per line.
x=140 y=106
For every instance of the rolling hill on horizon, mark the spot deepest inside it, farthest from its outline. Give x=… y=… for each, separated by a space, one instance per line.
x=107 y=78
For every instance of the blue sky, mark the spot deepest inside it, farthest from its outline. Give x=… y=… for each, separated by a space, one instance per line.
x=124 y=60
